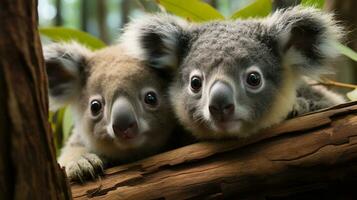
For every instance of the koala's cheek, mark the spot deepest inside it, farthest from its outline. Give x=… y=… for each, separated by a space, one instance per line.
x=246 y=112
x=144 y=125
x=99 y=130
x=205 y=113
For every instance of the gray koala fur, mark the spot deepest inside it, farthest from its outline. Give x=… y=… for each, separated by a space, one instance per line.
x=280 y=51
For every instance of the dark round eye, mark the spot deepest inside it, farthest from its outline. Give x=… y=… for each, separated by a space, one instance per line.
x=150 y=98
x=254 y=79
x=95 y=107
x=196 y=83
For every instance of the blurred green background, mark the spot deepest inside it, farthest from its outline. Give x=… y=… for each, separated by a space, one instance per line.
x=104 y=18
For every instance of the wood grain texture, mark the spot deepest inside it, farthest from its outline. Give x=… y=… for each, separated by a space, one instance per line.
x=308 y=155
x=28 y=168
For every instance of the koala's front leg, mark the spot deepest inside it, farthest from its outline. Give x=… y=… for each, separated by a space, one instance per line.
x=312 y=98
x=300 y=107
x=79 y=163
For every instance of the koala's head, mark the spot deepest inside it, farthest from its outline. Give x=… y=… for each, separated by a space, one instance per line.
x=234 y=77
x=117 y=102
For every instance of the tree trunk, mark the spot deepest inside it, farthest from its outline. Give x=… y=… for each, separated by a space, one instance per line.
x=213 y=3
x=84 y=15
x=124 y=12
x=278 y=4
x=28 y=167
x=313 y=156
x=58 y=18
x=102 y=20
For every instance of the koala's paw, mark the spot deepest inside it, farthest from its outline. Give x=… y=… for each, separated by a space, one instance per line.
x=300 y=107
x=88 y=166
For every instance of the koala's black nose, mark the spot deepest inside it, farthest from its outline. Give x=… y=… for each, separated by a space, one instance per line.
x=221 y=100
x=124 y=122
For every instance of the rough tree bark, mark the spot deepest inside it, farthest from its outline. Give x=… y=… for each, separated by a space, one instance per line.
x=311 y=156
x=28 y=167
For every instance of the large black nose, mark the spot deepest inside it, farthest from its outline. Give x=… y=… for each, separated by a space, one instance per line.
x=221 y=100
x=123 y=119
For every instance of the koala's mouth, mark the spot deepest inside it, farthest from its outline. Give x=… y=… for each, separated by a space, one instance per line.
x=130 y=140
x=128 y=135
x=228 y=126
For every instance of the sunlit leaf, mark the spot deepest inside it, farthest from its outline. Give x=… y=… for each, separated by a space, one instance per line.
x=313 y=3
x=67 y=125
x=259 y=8
x=346 y=51
x=56 y=119
x=67 y=34
x=193 y=10
x=352 y=95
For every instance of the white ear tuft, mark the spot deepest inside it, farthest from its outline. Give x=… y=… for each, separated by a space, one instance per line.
x=65 y=64
x=155 y=39
x=306 y=37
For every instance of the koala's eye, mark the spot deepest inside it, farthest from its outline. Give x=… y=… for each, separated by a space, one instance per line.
x=254 y=79
x=196 y=83
x=95 y=107
x=151 y=98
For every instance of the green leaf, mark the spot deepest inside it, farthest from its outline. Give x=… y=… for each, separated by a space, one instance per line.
x=67 y=125
x=193 y=10
x=259 y=8
x=313 y=3
x=352 y=95
x=58 y=34
x=56 y=120
x=346 y=51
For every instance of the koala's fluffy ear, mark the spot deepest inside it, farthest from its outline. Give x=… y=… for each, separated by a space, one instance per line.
x=306 y=38
x=65 y=63
x=157 y=40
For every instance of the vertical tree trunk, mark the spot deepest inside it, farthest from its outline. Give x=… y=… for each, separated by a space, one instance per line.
x=84 y=15
x=277 y=4
x=102 y=18
x=213 y=3
x=58 y=18
x=124 y=14
x=28 y=167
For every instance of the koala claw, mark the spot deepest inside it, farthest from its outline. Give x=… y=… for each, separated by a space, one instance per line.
x=300 y=107
x=87 y=166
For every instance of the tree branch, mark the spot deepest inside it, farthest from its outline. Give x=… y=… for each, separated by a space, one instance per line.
x=312 y=153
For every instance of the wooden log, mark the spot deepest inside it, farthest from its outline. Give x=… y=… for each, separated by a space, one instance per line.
x=28 y=167
x=311 y=155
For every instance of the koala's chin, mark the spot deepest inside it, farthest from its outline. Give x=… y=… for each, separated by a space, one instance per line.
x=229 y=127
x=129 y=140
x=131 y=143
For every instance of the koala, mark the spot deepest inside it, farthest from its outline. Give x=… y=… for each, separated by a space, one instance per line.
x=232 y=78
x=121 y=109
